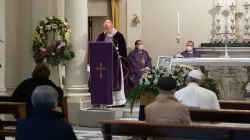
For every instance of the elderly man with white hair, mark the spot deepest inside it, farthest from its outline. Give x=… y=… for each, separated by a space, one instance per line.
x=120 y=63
x=195 y=96
x=44 y=123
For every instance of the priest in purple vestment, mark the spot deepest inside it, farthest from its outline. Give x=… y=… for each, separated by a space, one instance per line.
x=192 y=52
x=139 y=62
x=120 y=64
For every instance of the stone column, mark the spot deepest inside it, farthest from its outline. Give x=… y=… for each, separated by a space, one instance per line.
x=2 y=46
x=76 y=11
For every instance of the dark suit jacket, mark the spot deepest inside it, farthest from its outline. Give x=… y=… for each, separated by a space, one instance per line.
x=24 y=91
x=44 y=124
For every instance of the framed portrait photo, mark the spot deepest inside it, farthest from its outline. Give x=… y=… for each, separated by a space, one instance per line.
x=164 y=62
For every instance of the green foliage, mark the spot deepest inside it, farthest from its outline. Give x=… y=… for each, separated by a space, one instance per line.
x=211 y=84
x=179 y=72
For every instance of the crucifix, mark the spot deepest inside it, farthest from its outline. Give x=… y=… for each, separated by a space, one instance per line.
x=101 y=69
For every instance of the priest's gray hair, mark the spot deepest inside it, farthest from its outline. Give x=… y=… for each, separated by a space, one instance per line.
x=190 y=41
x=44 y=95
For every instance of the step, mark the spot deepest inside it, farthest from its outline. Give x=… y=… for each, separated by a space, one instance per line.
x=127 y=113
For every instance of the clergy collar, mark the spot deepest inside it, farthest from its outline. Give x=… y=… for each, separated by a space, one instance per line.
x=195 y=84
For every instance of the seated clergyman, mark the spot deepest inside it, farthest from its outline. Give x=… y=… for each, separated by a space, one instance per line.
x=191 y=52
x=195 y=96
x=166 y=108
x=43 y=122
x=139 y=62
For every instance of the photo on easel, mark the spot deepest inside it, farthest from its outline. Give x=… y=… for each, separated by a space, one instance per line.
x=164 y=62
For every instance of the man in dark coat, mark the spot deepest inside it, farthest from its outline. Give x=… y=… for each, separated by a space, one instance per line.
x=43 y=122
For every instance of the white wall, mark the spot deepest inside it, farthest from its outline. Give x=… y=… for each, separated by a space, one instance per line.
x=2 y=45
x=11 y=34
x=159 y=24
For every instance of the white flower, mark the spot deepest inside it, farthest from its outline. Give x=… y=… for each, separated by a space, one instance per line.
x=54 y=26
x=65 y=23
x=40 y=27
x=141 y=81
x=61 y=45
x=175 y=77
x=40 y=40
x=61 y=19
x=69 y=30
x=155 y=81
x=45 y=60
x=50 y=18
x=42 y=49
x=147 y=82
x=46 y=21
x=41 y=31
x=53 y=53
x=48 y=27
x=67 y=36
x=150 y=76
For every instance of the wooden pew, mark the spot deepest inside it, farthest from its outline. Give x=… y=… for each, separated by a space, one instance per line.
x=223 y=115
x=63 y=104
x=237 y=105
x=11 y=108
x=198 y=131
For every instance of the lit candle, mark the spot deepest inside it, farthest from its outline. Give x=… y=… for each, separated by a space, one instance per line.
x=233 y=2
x=246 y=2
x=178 y=23
x=218 y=4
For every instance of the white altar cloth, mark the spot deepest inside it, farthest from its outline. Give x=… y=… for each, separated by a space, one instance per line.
x=213 y=61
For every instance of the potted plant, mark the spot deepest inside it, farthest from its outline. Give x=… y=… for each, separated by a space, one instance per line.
x=146 y=91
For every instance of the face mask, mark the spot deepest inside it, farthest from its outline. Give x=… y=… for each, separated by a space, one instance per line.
x=189 y=48
x=140 y=47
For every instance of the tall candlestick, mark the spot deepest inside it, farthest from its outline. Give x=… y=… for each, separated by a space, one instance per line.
x=178 y=23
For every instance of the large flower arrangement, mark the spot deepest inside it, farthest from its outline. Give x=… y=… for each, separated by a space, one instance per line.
x=179 y=72
x=51 y=43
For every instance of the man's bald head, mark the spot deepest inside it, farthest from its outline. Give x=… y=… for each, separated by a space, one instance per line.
x=108 y=26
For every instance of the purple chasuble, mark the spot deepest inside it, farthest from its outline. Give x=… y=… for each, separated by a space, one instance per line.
x=138 y=61
x=195 y=54
x=118 y=55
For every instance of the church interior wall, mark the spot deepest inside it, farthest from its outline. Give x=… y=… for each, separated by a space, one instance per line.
x=159 y=29
x=11 y=42
x=2 y=45
x=197 y=23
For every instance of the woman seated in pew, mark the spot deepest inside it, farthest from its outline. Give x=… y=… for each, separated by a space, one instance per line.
x=40 y=76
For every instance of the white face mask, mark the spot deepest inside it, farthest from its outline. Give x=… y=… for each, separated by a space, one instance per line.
x=140 y=47
x=189 y=48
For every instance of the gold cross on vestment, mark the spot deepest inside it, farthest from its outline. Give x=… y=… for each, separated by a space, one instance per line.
x=100 y=69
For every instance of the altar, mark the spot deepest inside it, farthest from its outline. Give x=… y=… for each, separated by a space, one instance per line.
x=231 y=74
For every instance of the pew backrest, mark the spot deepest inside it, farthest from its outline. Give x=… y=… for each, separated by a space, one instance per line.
x=222 y=115
x=237 y=105
x=198 y=131
x=13 y=108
